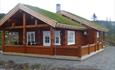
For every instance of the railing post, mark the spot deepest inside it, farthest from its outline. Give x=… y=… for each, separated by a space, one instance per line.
x=95 y=47
x=88 y=48
x=80 y=52
x=52 y=41
x=3 y=40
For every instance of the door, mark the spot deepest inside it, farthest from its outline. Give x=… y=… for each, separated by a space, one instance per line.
x=30 y=38
x=46 y=38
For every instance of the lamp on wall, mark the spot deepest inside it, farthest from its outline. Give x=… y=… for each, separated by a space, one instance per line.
x=85 y=32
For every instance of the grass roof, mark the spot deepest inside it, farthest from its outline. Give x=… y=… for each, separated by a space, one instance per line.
x=58 y=18
x=91 y=24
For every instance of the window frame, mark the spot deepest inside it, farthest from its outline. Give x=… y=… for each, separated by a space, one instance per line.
x=70 y=38
x=57 y=34
x=46 y=33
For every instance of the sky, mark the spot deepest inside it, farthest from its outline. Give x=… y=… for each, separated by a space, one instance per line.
x=104 y=9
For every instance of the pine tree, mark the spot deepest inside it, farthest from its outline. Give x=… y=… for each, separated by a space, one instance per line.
x=94 y=17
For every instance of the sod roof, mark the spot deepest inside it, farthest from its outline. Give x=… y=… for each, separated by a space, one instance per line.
x=58 y=18
x=55 y=19
x=84 y=21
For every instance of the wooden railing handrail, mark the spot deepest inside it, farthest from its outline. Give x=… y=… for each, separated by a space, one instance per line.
x=89 y=45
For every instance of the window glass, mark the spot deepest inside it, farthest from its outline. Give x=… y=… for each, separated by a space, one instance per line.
x=57 y=40
x=46 y=39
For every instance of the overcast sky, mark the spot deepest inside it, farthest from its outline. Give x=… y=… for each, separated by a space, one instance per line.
x=85 y=8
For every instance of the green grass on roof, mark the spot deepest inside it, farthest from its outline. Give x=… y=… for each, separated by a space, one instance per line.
x=55 y=16
x=99 y=26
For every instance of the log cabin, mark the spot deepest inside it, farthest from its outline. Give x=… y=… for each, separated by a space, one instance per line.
x=31 y=30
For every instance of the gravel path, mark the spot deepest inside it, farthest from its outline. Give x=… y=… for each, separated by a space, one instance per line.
x=104 y=60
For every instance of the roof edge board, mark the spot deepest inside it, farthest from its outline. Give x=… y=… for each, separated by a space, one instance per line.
x=9 y=14
x=39 y=16
x=29 y=11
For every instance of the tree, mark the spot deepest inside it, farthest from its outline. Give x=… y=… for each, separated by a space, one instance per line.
x=2 y=15
x=94 y=17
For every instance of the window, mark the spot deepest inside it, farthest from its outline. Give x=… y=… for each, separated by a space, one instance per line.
x=57 y=37
x=46 y=38
x=14 y=37
x=97 y=34
x=30 y=38
x=71 y=37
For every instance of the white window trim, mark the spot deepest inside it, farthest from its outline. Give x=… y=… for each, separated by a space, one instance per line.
x=31 y=39
x=57 y=35
x=46 y=33
x=68 y=36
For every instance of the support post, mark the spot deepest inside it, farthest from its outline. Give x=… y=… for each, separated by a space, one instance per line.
x=24 y=28
x=3 y=40
x=52 y=37
x=76 y=38
x=24 y=32
x=95 y=47
x=89 y=49
x=65 y=38
x=52 y=40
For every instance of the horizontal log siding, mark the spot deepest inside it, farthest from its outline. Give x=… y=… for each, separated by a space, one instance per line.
x=17 y=49
x=67 y=51
x=92 y=48
x=85 y=51
x=39 y=50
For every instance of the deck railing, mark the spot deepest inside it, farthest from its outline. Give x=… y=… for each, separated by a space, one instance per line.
x=90 y=48
x=59 y=50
